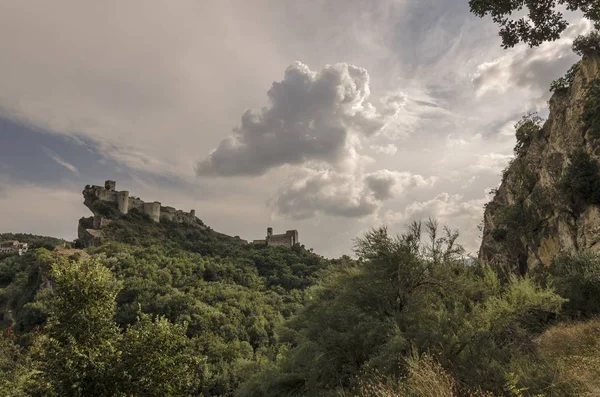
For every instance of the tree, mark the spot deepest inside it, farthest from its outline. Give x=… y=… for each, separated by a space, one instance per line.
x=404 y=297
x=78 y=354
x=158 y=359
x=543 y=22
x=84 y=353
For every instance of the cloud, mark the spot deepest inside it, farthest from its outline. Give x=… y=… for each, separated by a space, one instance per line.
x=389 y=149
x=314 y=192
x=491 y=162
x=60 y=161
x=310 y=118
x=386 y=184
x=311 y=192
x=530 y=68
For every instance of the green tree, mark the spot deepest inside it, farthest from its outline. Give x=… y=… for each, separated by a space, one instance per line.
x=18 y=377
x=84 y=353
x=405 y=296
x=575 y=276
x=158 y=359
x=78 y=354
x=543 y=20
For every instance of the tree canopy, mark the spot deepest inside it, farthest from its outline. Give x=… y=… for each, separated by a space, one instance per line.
x=543 y=19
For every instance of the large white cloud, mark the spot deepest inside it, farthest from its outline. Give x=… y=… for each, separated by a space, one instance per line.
x=386 y=184
x=389 y=149
x=530 y=68
x=310 y=117
x=313 y=192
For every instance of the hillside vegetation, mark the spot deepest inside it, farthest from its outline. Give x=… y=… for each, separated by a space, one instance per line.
x=406 y=317
x=225 y=299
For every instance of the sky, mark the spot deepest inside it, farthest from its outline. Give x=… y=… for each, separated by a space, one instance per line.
x=326 y=116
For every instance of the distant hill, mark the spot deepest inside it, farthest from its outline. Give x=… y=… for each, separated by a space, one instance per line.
x=35 y=241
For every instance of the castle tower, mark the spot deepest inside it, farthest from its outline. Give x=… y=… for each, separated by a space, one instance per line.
x=293 y=236
x=153 y=210
x=123 y=201
x=110 y=185
x=269 y=232
x=193 y=212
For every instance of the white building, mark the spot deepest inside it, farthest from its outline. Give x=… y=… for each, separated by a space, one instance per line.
x=13 y=247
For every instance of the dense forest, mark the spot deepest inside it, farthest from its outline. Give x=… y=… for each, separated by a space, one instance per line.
x=408 y=315
x=167 y=309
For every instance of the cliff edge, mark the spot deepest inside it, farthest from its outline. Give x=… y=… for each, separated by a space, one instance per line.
x=547 y=202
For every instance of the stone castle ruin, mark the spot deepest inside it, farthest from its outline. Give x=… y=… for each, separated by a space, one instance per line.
x=108 y=204
x=98 y=199
x=288 y=239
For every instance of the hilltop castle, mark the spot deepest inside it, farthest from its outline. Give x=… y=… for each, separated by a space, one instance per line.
x=288 y=239
x=123 y=202
x=107 y=204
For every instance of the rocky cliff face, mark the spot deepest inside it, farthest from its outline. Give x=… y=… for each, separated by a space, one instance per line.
x=531 y=218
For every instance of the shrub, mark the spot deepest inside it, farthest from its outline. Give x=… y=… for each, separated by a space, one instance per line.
x=582 y=179
x=577 y=278
x=564 y=83
x=591 y=114
x=499 y=234
x=587 y=45
x=403 y=296
x=106 y=209
x=527 y=127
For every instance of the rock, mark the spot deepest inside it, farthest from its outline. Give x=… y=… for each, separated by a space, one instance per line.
x=530 y=219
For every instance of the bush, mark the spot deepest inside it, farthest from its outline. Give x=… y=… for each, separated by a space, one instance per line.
x=587 y=45
x=577 y=278
x=106 y=209
x=591 y=109
x=527 y=127
x=581 y=181
x=564 y=83
x=499 y=234
x=406 y=296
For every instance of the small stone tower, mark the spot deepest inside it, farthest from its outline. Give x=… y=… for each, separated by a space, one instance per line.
x=193 y=212
x=110 y=185
x=269 y=232
x=153 y=210
x=123 y=201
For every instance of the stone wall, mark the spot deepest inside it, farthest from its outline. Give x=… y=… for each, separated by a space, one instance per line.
x=125 y=203
x=288 y=239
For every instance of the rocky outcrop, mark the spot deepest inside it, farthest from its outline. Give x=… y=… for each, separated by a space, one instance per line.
x=531 y=219
x=88 y=236
x=108 y=204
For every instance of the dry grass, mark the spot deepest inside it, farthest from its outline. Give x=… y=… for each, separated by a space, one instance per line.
x=574 y=350
x=71 y=253
x=426 y=378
